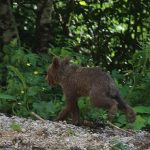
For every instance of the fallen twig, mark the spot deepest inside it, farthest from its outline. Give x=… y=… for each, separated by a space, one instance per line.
x=37 y=116
x=123 y=130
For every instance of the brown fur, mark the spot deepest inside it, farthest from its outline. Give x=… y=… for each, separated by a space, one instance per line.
x=79 y=81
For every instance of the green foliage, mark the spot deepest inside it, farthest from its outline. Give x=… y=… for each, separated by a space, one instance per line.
x=106 y=32
x=140 y=76
x=142 y=109
x=142 y=119
x=70 y=132
x=6 y=97
x=15 y=126
x=26 y=88
x=47 y=110
x=139 y=123
x=88 y=112
x=136 y=88
x=120 y=146
x=19 y=75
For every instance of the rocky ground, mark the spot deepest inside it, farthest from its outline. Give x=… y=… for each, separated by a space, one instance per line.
x=26 y=134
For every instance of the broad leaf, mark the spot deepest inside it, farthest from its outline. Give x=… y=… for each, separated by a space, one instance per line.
x=8 y=97
x=142 y=109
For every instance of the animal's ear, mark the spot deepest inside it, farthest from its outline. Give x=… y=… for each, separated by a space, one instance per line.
x=56 y=62
x=66 y=60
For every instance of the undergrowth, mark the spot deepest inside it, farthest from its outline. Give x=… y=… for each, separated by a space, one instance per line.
x=24 y=89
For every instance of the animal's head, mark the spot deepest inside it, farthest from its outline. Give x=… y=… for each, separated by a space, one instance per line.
x=56 y=70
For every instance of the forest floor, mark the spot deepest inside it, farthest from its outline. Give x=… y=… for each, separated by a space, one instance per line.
x=27 y=134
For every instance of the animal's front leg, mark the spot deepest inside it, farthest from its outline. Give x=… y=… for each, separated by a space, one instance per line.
x=75 y=114
x=70 y=107
x=64 y=113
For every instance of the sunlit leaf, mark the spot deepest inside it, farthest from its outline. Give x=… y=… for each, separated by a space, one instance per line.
x=83 y=3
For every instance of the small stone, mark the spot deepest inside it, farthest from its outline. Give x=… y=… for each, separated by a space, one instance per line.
x=23 y=130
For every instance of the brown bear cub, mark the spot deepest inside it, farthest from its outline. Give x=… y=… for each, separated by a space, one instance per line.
x=79 y=81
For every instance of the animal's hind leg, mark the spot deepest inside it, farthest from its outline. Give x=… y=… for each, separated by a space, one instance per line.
x=104 y=101
x=112 y=110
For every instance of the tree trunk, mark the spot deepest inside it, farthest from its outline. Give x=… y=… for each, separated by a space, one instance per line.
x=43 y=25
x=8 y=31
x=8 y=28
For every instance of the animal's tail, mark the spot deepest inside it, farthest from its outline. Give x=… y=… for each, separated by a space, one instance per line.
x=122 y=105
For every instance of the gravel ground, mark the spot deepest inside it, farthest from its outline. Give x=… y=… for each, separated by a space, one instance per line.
x=26 y=134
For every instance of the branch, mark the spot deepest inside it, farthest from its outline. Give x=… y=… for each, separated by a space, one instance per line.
x=123 y=130
x=37 y=116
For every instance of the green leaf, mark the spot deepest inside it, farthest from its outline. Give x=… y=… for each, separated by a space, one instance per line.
x=120 y=146
x=8 y=97
x=122 y=119
x=139 y=123
x=148 y=121
x=65 y=52
x=32 y=58
x=14 y=42
x=70 y=132
x=20 y=76
x=16 y=127
x=142 y=109
x=83 y=3
x=32 y=91
x=45 y=109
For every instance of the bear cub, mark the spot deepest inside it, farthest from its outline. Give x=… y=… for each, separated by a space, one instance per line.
x=77 y=81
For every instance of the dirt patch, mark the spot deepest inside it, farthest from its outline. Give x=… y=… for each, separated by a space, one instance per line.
x=27 y=134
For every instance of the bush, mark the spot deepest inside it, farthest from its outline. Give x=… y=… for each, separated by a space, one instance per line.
x=25 y=83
